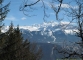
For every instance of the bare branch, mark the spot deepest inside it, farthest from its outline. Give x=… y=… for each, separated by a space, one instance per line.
x=44 y=10
x=26 y=5
x=57 y=10
x=32 y=3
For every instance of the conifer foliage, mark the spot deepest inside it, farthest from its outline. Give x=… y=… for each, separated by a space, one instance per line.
x=16 y=48
x=3 y=11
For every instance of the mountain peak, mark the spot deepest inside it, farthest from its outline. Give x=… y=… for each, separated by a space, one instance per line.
x=50 y=26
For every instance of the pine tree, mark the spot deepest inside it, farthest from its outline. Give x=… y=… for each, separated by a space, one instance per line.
x=3 y=12
x=16 y=48
x=8 y=52
x=24 y=48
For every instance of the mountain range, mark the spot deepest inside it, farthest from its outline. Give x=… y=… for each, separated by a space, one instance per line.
x=48 y=35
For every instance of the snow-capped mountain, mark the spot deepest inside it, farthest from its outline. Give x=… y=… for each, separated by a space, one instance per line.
x=48 y=32
x=47 y=35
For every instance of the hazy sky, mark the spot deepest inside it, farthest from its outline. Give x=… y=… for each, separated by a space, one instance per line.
x=17 y=17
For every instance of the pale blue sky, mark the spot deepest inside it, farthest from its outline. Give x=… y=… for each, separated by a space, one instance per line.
x=17 y=17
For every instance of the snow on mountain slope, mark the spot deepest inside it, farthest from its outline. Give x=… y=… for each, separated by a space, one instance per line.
x=48 y=32
x=51 y=26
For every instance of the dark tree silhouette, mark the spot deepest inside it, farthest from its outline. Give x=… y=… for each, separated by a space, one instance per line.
x=3 y=12
x=16 y=48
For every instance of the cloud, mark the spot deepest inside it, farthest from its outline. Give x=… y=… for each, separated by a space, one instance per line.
x=23 y=18
x=63 y=5
x=64 y=22
x=12 y=18
x=66 y=6
x=67 y=22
